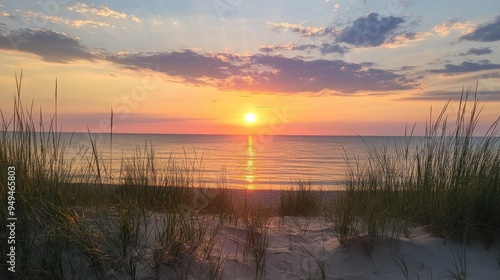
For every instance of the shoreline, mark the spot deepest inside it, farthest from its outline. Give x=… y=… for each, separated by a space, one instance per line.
x=272 y=197
x=262 y=197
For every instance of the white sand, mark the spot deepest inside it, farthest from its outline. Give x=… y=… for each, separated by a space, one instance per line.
x=302 y=248
x=296 y=252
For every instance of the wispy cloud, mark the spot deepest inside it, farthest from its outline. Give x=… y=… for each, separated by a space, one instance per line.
x=406 y=39
x=287 y=47
x=324 y=48
x=77 y=23
x=454 y=95
x=450 y=25
x=466 y=67
x=101 y=11
x=125 y=119
x=302 y=30
x=477 y=51
x=485 y=33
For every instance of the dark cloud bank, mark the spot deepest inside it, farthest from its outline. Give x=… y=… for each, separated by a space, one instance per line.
x=51 y=46
x=258 y=73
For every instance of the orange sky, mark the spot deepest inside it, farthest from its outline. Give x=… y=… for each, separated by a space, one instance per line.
x=300 y=69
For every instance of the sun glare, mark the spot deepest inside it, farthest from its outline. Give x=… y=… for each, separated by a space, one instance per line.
x=250 y=118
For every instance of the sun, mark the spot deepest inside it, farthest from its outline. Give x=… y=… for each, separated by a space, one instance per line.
x=250 y=118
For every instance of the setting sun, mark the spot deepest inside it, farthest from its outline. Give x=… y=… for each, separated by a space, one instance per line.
x=250 y=118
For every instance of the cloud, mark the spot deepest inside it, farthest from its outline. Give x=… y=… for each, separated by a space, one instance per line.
x=187 y=65
x=327 y=48
x=370 y=31
x=324 y=48
x=278 y=74
x=225 y=71
x=485 y=33
x=477 y=51
x=51 y=46
x=408 y=67
x=135 y=19
x=450 y=25
x=266 y=73
x=90 y=23
x=287 y=47
x=405 y=38
x=301 y=30
x=34 y=16
x=466 y=66
x=101 y=10
x=119 y=118
x=455 y=95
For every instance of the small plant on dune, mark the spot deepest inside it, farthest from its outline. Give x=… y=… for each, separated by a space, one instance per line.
x=256 y=221
x=459 y=271
x=342 y=216
x=402 y=263
x=315 y=259
x=110 y=239
x=184 y=242
x=302 y=223
x=178 y=234
x=497 y=258
x=211 y=266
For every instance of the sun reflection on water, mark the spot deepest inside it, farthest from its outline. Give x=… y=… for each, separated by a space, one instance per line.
x=250 y=164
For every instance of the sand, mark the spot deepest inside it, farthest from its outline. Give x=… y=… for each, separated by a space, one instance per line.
x=306 y=248
x=296 y=252
x=270 y=198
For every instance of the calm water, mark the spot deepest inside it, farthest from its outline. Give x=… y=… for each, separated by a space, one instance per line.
x=254 y=162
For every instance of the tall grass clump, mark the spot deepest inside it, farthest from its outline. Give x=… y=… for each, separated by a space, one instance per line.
x=448 y=181
x=156 y=185
x=41 y=201
x=300 y=201
x=75 y=221
x=220 y=202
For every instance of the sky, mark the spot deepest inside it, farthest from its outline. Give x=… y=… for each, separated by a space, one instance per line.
x=311 y=67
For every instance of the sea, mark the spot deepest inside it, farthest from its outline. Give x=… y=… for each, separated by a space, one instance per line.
x=240 y=161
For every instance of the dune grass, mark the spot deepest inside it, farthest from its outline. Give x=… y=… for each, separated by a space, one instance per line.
x=449 y=182
x=299 y=201
x=88 y=226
